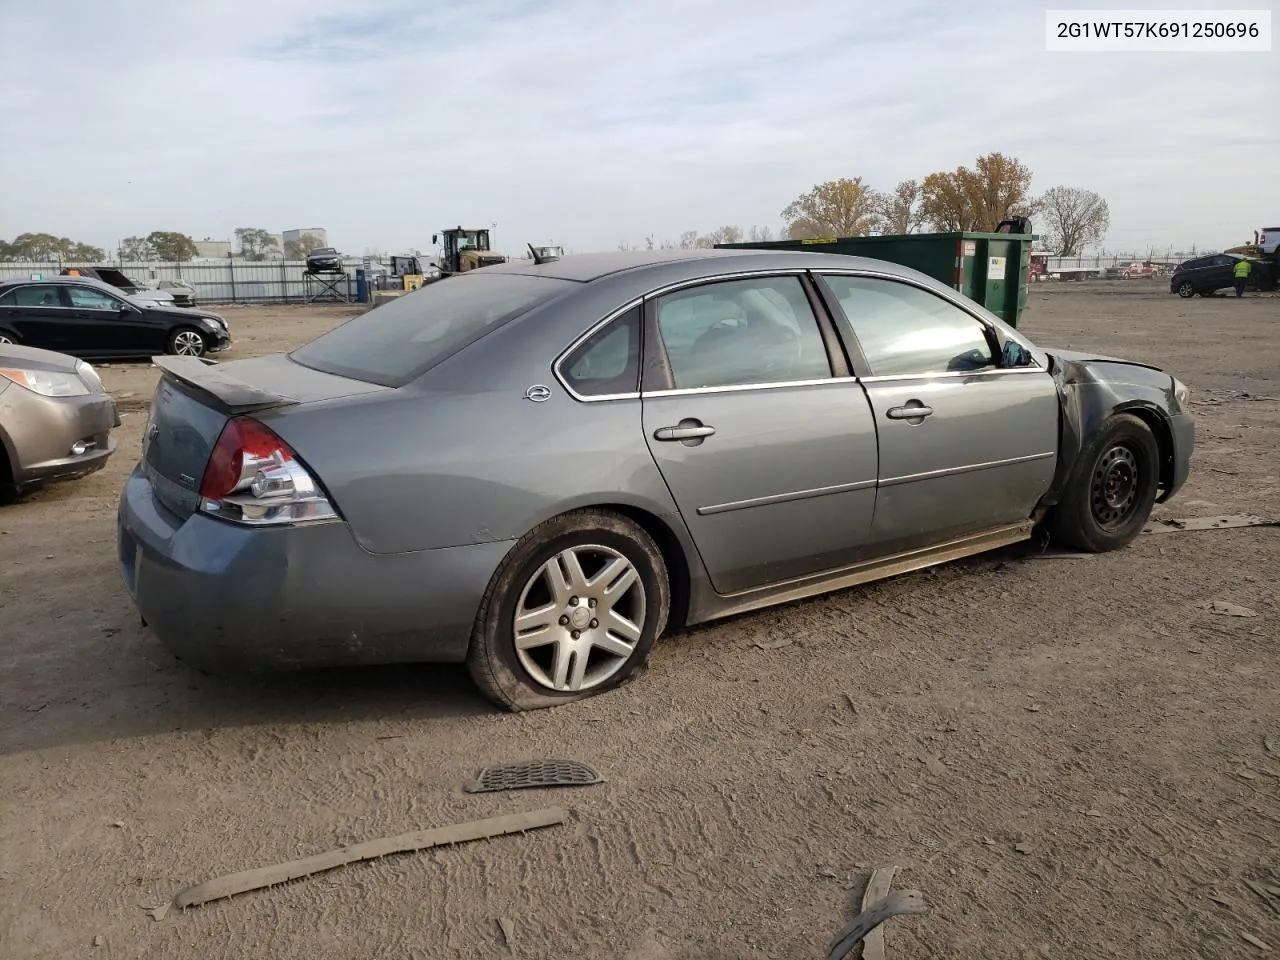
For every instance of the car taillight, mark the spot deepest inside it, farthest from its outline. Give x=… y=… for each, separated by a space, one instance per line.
x=254 y=477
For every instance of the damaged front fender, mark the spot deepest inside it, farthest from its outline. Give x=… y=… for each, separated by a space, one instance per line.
x=1094 y=389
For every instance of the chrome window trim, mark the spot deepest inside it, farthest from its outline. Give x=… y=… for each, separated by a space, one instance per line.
x=662 y=291
x=953 y=297
x=596 y=327
x=954 y=374
x=739 y=387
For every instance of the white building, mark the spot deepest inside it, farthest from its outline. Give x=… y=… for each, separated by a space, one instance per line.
x=294 y=236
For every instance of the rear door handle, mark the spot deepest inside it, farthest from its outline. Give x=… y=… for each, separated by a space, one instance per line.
x=686 y=430
x=915 y=410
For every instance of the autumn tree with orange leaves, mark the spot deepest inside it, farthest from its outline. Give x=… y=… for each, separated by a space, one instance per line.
x=977 y=199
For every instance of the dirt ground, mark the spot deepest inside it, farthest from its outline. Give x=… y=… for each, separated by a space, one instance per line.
x=1070 y=758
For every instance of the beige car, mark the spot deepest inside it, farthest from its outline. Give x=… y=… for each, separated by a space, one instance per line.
x=55 y=419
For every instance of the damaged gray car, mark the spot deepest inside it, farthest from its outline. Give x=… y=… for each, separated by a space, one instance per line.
x=539 y=468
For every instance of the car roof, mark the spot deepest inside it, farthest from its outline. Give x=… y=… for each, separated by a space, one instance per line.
x=586 y=267
x=61 y=278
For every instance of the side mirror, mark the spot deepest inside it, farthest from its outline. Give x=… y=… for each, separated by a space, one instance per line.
x=1015 y=354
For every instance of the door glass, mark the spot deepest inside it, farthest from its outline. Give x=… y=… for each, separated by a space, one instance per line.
x=86 y=298
x=906 y=330
x=36 y=297
x=609 y=361
x=742 y=332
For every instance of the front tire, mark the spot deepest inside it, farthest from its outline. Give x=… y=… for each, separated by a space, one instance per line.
x=8 y=336
x=572 y=611
x=1186 y=289
x=1111 y=489
x=187 y=342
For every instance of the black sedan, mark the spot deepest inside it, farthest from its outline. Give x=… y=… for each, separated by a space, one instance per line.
x=88 y=318
x=324 y=260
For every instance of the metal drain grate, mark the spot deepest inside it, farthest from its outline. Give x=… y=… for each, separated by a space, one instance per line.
x=533 y=773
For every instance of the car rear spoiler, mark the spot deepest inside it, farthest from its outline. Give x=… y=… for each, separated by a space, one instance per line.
x=204 y=375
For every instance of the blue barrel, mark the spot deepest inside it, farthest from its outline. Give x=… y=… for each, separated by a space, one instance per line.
x=362 y=285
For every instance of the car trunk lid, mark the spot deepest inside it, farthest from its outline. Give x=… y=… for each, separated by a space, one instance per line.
x=196 y=397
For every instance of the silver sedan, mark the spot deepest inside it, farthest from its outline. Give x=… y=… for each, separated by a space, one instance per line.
x=539 y=468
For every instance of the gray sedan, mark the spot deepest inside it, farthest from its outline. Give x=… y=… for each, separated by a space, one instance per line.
x=539 y=468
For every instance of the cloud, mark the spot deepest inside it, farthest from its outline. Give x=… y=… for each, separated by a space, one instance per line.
x=588 y=123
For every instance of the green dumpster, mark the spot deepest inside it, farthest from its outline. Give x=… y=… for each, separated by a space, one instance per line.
x=989 y=268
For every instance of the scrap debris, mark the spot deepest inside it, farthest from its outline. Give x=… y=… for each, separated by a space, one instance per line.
x=878 y=905
x=508 y=930
x=259 y=877
x=1229 y=609
x=533 y=773
x=1227 y=522
x=772 y=644
x=1254 y=941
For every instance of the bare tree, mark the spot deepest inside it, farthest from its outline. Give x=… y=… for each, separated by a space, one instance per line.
x=136 y=249
x=723 y=235
x=303 y=245
x=837 y=208
x=1075 y=218
x=255 y=243
x=900 y=210
x=688 y=240
x=760 y=234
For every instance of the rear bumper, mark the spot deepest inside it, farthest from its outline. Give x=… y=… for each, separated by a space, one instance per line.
x=1182 y=426
x=223 y=596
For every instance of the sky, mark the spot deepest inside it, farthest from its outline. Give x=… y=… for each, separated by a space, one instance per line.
x=590 y=122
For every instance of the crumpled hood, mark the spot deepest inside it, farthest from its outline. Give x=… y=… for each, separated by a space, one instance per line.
x=1077 y=356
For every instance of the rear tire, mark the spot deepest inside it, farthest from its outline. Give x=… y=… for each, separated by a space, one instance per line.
x=570 y=650
x=1111 y=489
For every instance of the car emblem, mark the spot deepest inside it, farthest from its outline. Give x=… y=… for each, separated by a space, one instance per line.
x=537 y=393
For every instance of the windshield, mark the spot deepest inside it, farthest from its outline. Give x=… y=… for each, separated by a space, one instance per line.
x=400 y=340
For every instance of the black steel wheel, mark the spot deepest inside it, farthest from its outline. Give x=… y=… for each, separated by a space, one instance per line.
x=1112 y=488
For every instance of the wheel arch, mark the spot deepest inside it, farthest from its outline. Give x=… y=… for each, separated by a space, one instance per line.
x=1158 y=423
x=1087 y=403
x=673 y=555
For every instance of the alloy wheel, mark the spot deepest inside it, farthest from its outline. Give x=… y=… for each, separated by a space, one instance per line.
x=1113 y=494
x=4 y=339
x=579 y=618
x=188 y=343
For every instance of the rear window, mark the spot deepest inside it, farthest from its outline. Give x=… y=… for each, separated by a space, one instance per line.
x=402 y=339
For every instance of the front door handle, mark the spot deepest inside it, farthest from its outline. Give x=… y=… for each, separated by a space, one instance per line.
x=685 y=430
x=913 y=410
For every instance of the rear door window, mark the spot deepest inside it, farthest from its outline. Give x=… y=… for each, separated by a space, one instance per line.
x=43 y=295
x=86 y=298
x=401 y=340
x=742 y=333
